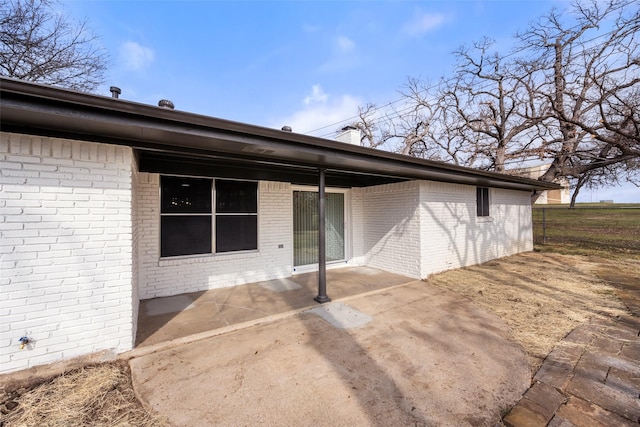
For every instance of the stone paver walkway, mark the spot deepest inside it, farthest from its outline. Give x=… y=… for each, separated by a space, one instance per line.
x=591 y=378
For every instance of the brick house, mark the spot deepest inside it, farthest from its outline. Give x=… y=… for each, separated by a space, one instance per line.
x=105 y=202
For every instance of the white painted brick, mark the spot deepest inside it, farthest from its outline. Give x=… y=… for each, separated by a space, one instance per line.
x=173 y=276
x=454 y=237
x=20 y=189
x=38 y=167
x=9 y=181
x=17 y=310
x=52 y=280
x=18 y=257
x=388 y=238
x=11 y=226
x=22 y=203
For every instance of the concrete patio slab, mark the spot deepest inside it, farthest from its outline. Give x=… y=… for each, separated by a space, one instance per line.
x=342 y=316
x=168 y=305
x=280 y=285
x=427 y=357
x=161 y=319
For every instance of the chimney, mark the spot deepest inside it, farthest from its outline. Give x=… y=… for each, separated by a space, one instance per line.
x=349 y=135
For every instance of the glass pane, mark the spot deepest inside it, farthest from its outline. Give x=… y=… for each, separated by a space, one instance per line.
x=305 y=227
x=485 y=201
x=482 y=201
x=185 y=195
x=185 y=235
x=236 y=233
x=236 y=196
x=334 y=211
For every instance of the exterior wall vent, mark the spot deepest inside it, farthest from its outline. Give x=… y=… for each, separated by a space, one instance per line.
x=115 y=91
x=165 y=103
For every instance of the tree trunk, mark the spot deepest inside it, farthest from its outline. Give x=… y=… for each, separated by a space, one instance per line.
x=581 y=181
x=573 y=198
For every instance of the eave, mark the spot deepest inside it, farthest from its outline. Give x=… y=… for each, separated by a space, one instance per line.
x=160 y=135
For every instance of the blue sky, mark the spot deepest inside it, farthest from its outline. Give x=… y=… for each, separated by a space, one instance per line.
x=306 y=64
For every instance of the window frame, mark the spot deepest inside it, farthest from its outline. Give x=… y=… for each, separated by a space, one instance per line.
x=483 y=202
x=238 y=214
x=213 y=215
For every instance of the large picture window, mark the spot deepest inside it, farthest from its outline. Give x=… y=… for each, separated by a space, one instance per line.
x=482 y=201
x=191 y=223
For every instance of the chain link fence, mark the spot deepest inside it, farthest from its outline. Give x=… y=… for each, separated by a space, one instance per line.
x=604 y=228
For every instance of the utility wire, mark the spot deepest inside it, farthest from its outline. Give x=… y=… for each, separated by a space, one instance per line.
x=398 y=113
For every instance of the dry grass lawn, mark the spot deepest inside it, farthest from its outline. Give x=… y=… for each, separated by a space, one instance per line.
x=100 y=395
x=542 y=297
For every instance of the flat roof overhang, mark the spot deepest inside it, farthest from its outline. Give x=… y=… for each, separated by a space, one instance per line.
x=173 y=141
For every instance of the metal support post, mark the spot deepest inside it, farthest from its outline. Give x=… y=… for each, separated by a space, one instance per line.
x=322 y=256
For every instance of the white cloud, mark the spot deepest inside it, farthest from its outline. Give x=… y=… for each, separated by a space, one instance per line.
x=345 y=44
x=321 y=110
x=317 y=95
x=136 y=57
x=422 y=23
x=344 y=56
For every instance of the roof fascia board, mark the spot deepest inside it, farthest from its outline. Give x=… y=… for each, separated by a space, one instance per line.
x=53 y=111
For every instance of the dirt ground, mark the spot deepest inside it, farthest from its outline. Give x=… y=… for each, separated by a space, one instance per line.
x=541 y=297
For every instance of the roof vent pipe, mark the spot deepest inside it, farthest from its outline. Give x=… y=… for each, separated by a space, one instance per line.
x=286 y=128
x=115 y=91
x=165 y=103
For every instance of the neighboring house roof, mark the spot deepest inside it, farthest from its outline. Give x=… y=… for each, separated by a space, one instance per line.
x=174 y=141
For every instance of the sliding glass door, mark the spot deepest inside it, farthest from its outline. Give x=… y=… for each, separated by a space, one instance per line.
x=305 y=227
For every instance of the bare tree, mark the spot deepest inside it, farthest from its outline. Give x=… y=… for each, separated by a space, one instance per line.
x=398 y=128
x=447 y=138
x=482 y=117
x=568 y=96
x=591 y=84
x=496 y=108
x=41 y=45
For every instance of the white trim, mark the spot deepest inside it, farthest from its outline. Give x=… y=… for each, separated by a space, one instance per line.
x=310 y=268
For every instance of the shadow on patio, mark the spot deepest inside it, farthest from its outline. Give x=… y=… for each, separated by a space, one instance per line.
x=178 y=317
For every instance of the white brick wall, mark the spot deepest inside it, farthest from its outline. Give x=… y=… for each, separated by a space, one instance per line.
x=79 y=243
x=171 y=276
x=452 y=236
x=390 y=227
x=420 y=228
x=356 y=219
x=65 y=249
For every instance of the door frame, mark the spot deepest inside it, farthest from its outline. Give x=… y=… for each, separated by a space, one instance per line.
x=347 y=229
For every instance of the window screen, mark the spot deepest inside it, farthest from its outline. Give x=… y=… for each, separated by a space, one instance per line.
x=185 y=235
x=236 y=216
x=185 y=195
x=482 y=201
x=187 y=215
